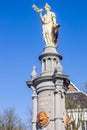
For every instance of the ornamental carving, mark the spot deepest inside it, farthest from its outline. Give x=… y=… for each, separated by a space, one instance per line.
x=42 y=119
x=68 y=120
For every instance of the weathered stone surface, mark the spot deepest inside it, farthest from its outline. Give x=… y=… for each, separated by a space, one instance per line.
x=48 y=91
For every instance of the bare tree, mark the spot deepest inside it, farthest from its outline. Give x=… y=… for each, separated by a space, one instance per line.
x=29 y=118
x=9 y=120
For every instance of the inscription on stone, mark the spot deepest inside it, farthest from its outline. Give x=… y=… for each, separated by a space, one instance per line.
x=43 y=101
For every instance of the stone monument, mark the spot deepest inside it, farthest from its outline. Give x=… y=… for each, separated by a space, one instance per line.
x=48 y=89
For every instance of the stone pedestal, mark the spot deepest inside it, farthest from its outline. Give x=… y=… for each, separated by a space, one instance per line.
x=48 y=92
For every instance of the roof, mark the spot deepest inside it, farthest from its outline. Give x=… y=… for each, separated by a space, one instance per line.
x=75 y=99
x=72 y=88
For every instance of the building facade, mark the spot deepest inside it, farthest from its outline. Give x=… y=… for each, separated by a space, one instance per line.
x=76 y=107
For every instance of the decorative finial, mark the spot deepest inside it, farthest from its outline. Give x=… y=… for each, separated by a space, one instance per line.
x=34 y=73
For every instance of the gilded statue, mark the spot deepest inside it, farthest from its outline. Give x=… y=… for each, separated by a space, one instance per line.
x=49 y=26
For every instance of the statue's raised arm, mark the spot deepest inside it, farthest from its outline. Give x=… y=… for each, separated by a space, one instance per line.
x=36 y=8
x=49 y=26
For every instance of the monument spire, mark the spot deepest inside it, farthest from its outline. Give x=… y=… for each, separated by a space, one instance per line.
x=48 y=89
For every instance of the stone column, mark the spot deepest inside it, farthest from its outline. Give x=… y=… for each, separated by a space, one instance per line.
x=34 y=116
x=43 y=66
x=85 y=125
x=58 y=104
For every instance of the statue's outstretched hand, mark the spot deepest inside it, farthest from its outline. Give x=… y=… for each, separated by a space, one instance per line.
x=37 y=9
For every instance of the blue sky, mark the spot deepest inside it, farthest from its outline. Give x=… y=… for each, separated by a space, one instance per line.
x=21 y=43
